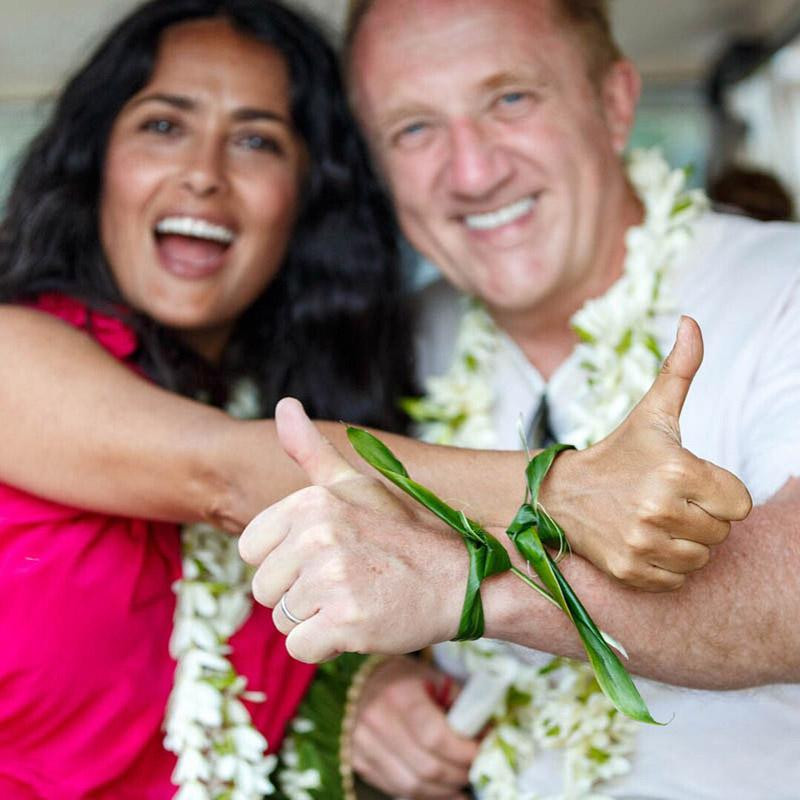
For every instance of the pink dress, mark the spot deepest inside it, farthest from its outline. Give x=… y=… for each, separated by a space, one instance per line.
x=86 y=611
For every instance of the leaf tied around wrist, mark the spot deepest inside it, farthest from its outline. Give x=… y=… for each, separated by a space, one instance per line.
x=532 y=531
x=486 y=555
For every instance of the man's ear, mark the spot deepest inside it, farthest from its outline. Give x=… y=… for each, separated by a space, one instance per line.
x=619 y=93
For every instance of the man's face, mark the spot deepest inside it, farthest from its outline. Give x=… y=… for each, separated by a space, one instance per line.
x=500 y=152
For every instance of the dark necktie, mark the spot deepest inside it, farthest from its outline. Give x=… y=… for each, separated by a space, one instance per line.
x=540 y=434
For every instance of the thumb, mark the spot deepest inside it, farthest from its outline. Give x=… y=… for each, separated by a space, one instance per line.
x=668 y=392
x=307 y=447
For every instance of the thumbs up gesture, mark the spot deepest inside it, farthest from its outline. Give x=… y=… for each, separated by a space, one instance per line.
x=663 y=507
x=347 y=566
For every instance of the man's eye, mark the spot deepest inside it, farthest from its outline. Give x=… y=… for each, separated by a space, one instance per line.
x=414 y=127
x=514 y=103
x=411 y=134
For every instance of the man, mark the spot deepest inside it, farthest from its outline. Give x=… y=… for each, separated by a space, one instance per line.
x=498 y=127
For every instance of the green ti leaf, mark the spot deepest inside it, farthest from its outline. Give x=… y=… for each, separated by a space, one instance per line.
x=487 y=556
x=530 y=529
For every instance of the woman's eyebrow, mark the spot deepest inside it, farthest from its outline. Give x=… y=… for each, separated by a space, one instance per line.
x=247 y=114
x=185 y=103
x=176 y=100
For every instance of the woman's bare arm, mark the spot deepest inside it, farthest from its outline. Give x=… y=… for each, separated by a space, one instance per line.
x=80 y=428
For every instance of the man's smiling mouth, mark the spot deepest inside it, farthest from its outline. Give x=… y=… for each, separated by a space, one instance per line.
x=502 y=216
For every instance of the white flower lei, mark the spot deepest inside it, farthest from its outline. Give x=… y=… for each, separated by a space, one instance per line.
x=561 y=705
x=220 y=753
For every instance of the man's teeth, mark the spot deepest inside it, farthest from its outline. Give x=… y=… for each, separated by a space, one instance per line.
x=196 y=228
x=503 y=216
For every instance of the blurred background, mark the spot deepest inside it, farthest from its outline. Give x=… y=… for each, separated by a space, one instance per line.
x=721 y=77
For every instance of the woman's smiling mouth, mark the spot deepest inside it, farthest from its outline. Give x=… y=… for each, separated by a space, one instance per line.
x=190 y=247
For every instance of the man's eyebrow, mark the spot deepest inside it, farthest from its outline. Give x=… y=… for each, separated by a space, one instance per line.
x=184 y=103
x=501 y=80
x=400 y=114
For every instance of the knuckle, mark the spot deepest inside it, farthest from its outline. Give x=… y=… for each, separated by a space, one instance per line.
x=639 y=541
x=319 y=537
x=655 y=509
x=430 y=770
x=625 y=568
x=721 y=533
x=396 y=694
x=430 y=737
x=701 y=559
x=247 y=546
x=744 y=505
x=262 y=590
x=336 y=573
x=318 y=498
x=675 y=583
x=676 y=469
x=372 y=715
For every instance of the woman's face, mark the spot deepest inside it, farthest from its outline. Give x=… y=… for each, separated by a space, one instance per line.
x=201 y=182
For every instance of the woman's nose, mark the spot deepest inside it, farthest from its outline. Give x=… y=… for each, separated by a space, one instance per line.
x=204 y=170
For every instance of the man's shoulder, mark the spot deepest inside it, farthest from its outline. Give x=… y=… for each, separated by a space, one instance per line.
x=730 y=242
x=741 y=266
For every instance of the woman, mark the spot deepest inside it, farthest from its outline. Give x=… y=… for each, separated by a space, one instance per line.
x=199 y=206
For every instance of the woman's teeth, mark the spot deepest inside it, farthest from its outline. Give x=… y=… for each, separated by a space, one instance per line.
x=196 y=228
x=503 y=216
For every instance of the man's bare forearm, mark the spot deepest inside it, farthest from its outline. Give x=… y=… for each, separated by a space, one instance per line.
x=733 y=624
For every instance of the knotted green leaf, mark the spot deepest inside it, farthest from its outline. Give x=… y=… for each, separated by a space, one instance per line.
x=486 y=555
x=530 y=529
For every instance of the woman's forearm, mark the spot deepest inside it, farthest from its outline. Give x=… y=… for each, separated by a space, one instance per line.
x=80 y=428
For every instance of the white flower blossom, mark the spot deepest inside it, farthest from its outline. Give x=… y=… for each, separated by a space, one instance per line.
x=296 y=783
x=193 y=791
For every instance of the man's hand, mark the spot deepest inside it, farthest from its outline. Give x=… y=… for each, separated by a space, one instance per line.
x=639 y=505
x=402 y=743
x=357 y=565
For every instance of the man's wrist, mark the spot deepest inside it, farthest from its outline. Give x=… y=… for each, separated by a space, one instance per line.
x=560 y=489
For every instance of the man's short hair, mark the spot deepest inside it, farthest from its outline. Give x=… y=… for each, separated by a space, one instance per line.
x=589 y=18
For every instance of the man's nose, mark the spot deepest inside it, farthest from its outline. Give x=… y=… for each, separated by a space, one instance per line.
x=204 y=169
x=477 y=165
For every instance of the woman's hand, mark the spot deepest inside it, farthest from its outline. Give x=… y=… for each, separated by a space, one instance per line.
x=401 y=743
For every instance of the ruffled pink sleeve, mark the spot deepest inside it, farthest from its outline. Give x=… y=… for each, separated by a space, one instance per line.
x=109 y=331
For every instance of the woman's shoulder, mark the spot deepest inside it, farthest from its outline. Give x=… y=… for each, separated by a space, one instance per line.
x=108 y=330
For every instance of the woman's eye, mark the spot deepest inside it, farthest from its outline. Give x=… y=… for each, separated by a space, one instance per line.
x=259 y=142
x=163 y=127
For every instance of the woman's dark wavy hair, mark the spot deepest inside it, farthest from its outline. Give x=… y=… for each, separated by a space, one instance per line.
x=330 y=328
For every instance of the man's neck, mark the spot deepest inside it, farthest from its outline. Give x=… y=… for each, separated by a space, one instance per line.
x=544 y=333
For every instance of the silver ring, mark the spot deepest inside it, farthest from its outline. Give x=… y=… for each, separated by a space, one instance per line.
x=288 y=614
